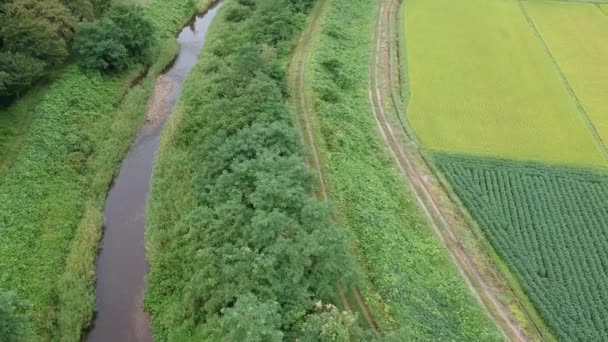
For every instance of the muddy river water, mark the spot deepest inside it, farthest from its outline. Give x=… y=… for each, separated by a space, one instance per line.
x=121 y=265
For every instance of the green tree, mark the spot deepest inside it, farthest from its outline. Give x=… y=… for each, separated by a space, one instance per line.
x=81 y=9
x=18 y=71
x=14 y=325
x=116 y=41
x=134 y=30
x=98 y=47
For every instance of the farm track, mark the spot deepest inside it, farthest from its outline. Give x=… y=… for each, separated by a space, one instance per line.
x=302 y=109
x=483 y=283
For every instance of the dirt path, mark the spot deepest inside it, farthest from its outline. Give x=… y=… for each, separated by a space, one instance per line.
x=425 y=193
x=302 y=108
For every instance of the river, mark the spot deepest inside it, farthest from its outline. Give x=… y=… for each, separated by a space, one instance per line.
x=121 y=265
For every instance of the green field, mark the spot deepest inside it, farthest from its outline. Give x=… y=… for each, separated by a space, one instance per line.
x=481 y=83
x=52 y=196
x=421 y=295
x=576 y=36
x=550 y=224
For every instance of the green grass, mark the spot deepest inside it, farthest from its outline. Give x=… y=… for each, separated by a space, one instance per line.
x=421 y=295
x=52 y=197
x=575 y=34
x=550 y=224
x=481 y=83
x=14 y=125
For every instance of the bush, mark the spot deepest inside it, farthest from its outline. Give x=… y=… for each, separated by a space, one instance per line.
x=34 y=38
x=14 y=325
x=117 y=41
x=98 y=47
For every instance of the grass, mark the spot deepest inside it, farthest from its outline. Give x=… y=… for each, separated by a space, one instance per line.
x=549 y=224
x=14 y=125
x=412 y=285
x=574 y=33
x=482 y=84
x=51 y=199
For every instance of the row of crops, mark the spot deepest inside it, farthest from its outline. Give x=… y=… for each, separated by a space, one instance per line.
x=550 y=224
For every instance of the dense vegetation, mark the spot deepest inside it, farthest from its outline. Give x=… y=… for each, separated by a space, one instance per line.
x=550 y=224
x=52 y=197
x=482 y=83
x=239 y=248
x=35 y=37
x=421 y=295
x=115 y=42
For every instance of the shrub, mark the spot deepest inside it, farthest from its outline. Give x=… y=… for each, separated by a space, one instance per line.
x=13 y=322
x=98 y=47
x=115 y=42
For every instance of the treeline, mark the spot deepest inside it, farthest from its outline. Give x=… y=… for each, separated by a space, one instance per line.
x=36 y=38
x=239 y=248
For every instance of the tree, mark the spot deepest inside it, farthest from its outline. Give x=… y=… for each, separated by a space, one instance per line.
x=81 y=9
x=116 y=41
x=134 y=30
x=18 y=71
x=14 y=325
x=98 y=47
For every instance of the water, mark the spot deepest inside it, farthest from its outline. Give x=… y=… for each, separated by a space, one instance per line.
x=121 y=265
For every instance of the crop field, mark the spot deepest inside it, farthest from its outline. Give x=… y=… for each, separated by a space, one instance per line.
x=481 y=83
x=550 y=224
x=576 y=36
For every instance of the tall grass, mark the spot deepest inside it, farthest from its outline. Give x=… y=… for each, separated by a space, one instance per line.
x=412 y=285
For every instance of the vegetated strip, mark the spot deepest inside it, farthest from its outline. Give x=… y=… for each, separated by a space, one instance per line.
x=51 y=200
x=417 y=186
x=301 y=105
x=495 y=273
x=550 y=224
x=421 y=295
x=583 y=114
x=14 y=127
x=239 y=248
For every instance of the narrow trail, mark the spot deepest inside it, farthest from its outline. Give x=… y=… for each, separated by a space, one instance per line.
x=302 y=108
x=425 y=193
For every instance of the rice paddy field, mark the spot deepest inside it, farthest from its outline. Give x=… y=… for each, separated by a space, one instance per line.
x=575 y=34
x=500 y=94
x=511 y=100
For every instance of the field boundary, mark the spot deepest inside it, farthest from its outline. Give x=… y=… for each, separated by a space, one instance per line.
x=303 y=122
x=491 y=266
x=583 y=114
x=504 y=273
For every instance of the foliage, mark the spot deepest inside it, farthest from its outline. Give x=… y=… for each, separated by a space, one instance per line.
x=116 y=41
x=97 y=46
x=52 y=197
x=13 y=321
x=573 y=33
x=549 y=223
x=481 y=83
x=239 y=248
x=34 y=38
x=415 y=283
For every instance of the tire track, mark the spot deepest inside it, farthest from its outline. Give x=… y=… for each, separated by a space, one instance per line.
x=379 y=85
x=302 y=109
